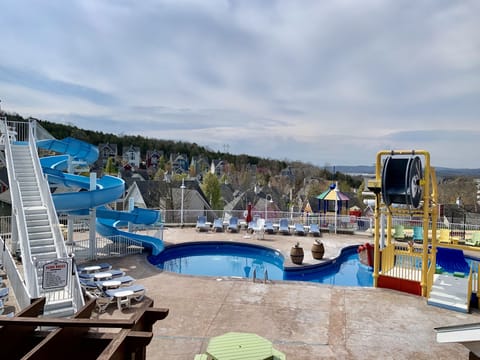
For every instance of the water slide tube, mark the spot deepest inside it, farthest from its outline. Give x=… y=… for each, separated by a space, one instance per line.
x=108 y=189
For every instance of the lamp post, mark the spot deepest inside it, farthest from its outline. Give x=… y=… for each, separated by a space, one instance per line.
x=181 y=205
x=459 y=203
x=268 y=199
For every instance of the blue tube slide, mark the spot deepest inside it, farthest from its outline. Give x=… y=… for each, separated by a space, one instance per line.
x=108 y=189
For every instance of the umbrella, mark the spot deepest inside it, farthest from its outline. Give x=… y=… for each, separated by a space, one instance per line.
x=249 y=213
x=238 y=346
x=333 y=194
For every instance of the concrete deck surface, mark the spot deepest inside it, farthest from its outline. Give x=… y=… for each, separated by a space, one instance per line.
x=303 y=320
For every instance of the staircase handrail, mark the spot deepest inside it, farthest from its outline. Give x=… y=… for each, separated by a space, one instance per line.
x=28 y=266
x=47 y=200
x=46 y=196
x=15 y=279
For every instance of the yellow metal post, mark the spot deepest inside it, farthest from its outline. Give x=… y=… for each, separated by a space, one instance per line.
x=426 y=221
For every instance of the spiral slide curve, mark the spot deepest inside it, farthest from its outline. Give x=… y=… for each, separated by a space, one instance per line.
x=108 y=189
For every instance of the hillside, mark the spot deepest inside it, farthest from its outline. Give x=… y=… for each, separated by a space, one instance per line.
x=440 y=171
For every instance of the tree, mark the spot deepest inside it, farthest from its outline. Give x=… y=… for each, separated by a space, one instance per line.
x=110 y=167
x=211 y=188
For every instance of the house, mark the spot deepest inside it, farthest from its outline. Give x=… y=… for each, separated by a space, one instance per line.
x=166 y=196
x=218 y=167
x=132 y=156
x=153 y=159
x=179 y=163
x=200 y=165
x=288 y=172
x=106 y=151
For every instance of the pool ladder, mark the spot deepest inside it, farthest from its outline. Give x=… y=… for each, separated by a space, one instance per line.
x=265 y=276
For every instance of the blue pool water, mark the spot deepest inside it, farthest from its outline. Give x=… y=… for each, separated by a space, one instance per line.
x=242 y=260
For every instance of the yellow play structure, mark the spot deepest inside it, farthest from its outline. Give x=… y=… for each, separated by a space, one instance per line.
x=405 y=190
x=402 y=189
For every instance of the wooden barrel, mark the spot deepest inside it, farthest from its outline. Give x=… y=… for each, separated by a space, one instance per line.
x=296 y=254
x=318 y=250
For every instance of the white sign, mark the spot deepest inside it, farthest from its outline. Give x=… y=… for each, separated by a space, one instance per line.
x=55 y=274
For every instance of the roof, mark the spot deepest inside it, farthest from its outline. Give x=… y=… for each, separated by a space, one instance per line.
x=333 y=194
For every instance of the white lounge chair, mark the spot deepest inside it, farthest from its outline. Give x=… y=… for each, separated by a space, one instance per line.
x=124 y=295
x=91 y=285
x=94 y=268
x=259 y=229
x=103 y=275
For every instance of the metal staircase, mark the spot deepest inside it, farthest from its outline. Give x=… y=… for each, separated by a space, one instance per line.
x=47 y=269
x=39 y=230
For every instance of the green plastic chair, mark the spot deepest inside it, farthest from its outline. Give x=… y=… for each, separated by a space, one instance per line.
x=399 y=232
x=475 y=240
x=418 y=234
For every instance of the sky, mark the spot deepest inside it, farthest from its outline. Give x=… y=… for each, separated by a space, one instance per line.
x=324 y=82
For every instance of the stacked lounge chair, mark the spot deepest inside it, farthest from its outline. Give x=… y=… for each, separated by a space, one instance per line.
x=108 y=286
x=3 y=298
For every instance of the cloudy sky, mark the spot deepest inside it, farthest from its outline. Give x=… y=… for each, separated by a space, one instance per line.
x=326 y=82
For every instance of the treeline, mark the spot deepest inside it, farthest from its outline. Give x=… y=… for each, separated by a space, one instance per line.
x=240 y=162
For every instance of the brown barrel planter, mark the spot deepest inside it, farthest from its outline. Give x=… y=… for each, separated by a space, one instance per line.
x=318 y=250
x=296 y=254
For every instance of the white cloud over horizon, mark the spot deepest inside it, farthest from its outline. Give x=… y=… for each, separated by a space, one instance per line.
x=330 y=82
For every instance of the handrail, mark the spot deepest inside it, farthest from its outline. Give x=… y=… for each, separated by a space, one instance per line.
x=73 y=289
x=46 y=197
x=29 y=273
x=15 y=279
x=430 y=276
x=469 y=291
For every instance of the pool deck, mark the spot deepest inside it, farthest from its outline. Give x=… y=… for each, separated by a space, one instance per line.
x=303 y=320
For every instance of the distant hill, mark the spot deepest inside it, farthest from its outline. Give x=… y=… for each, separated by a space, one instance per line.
x=440 y=171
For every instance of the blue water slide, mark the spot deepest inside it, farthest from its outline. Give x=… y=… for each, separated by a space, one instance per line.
x=77 y=149
x=108 y=222
x=108 y=189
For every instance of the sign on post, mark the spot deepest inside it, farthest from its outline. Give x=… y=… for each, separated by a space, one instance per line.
x=55 y=274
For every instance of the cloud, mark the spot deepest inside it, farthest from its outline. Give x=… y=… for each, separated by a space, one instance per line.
x=329 y=81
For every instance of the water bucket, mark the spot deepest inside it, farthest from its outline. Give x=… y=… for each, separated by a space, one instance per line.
x=296 y=255
x=318 y=250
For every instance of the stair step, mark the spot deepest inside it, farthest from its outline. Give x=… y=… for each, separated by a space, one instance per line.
x=31 y=190
x=38 y=229
x=40 y=235
x=42 y=249
x=38 y=222
x=32 y=203
x=448 y=305
x=30 y=199
x=46 y=256
x=35 y=210
x=41 y=242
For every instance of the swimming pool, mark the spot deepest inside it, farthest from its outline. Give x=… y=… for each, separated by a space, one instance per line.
x=246 y=260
